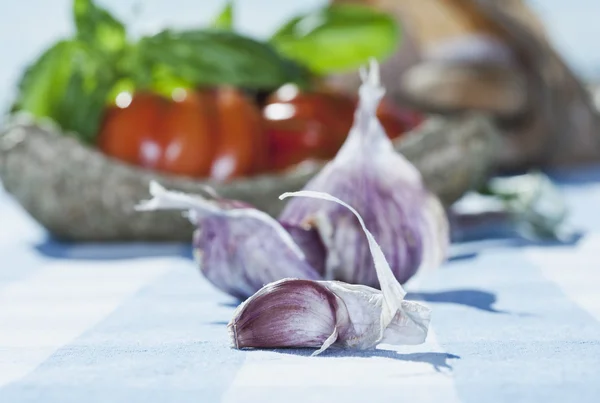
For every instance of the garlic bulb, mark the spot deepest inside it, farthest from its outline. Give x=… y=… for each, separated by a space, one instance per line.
x=408 y=221
x=320 y=314
x=240 y=249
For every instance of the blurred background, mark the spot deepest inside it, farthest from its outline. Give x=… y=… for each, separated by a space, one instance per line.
x=28 y=27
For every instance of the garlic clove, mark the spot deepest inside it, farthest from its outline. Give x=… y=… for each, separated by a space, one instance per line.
x=286 y=313
x=359 y=316
x=302 y=313
x=407 y=220
x=238 y=248
x=391 y=291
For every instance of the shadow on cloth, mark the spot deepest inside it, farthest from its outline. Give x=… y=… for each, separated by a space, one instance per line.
x=478 y=299
x=111 y=251
x=470 y=247
x=482 y=300
x=438 y=361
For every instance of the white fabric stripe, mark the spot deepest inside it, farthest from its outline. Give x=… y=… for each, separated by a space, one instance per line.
x=577 y=278
x=419 y=380
x=15 y=226
x=46 y=311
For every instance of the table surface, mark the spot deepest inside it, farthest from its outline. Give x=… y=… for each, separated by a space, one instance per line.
x=512 y=322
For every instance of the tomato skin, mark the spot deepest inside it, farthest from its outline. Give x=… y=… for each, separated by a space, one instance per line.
x=165 y=135
x=314 y=125
x=222 y=134
x=332 y=111
x=396 y=120
x=187 y=135
x=128 y=133
x=241 y=145
x=293 y=141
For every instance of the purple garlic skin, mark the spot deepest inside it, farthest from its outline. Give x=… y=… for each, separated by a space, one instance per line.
x=310 y=242
x=240 y=255
x=240 y=249
x=392 y=214
x=304 y=313
x=319 y=314
x=407 y=221
x=286 y=313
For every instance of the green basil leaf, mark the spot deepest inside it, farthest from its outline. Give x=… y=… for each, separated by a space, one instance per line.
x=225 y=18
x=208 y=58
x=69 y=84
x=338 y=38
x=42 y=84
x=82 y=106
x=97 y=27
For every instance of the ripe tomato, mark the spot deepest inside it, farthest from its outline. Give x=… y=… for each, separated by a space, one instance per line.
x=242 y=145
x=186 y=135
x=333 y=112
x=129 y=133
x=314 y=125
x=396 y=120
x=156 y=133
x=292 y=141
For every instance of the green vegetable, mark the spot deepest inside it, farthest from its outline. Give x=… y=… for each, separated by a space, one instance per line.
x=84 y=98
x=97 y=27
x=69 y=84
x=73 y=80
x=43 y=83
x=205 y=57
x=338 y=38
x=225 y=18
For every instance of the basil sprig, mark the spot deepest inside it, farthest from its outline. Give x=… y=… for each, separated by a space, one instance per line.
x=73 y=80
x=338 y=38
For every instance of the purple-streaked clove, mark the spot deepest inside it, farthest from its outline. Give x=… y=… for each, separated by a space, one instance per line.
x=239 y=248
x=320 y=314
x=407 y=220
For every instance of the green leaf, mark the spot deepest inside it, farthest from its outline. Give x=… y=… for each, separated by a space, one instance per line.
x=208 y=58
x=225 y=18
x=82 y=105
x=97 y=27
x=42 y=84
x=338 y=38
x=69 y=83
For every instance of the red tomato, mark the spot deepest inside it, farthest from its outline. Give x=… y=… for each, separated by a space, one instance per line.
x=242 y=145
x=128 y=133
x=396 y=120
x=187 y=135
x=152 y=132
x=332 y=110
x=293 y=141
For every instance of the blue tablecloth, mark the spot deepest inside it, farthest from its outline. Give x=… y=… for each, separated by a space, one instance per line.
x=512 y=322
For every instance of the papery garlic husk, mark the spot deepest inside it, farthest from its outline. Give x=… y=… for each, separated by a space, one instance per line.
x=320 y=314
x=407 y=220
x=239 y=249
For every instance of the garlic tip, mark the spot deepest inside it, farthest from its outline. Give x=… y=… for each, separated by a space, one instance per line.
x=370 y=75
x=156 y=188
